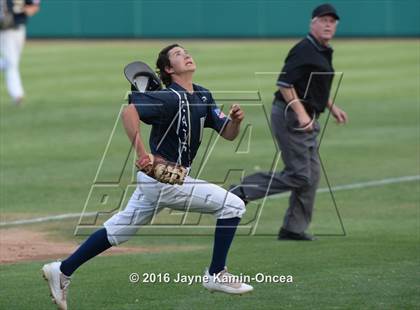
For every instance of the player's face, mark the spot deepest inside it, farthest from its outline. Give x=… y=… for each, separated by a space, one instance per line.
x=181 y=61
x=324 y=27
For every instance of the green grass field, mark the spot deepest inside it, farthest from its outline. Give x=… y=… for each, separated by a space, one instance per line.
x=51 y=147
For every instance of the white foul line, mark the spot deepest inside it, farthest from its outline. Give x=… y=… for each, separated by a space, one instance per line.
x=320 y=190
x=375 y=183
x=46 y=219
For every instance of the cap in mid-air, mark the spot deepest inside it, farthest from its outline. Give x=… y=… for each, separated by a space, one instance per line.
x=325 y=9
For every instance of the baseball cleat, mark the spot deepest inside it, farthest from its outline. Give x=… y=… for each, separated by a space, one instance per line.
x=58 y=284
x=226 y=283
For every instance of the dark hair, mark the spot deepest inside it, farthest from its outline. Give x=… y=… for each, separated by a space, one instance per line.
x=162 y=62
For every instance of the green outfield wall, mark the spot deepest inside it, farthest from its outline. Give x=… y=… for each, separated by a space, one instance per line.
x=215 y=19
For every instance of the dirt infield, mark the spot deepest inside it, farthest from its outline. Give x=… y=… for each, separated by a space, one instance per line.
x=18 y=245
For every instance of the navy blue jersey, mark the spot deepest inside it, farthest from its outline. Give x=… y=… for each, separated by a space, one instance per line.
x=17 y=8
x=162 y=110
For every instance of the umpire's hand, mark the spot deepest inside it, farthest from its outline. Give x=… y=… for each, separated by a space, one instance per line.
x=339 y=115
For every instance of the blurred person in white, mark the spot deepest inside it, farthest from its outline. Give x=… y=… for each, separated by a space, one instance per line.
x=13 y=18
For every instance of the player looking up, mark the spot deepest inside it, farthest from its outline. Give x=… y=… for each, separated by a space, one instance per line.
x=177 y=115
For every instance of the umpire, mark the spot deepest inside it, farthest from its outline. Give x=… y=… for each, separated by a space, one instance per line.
x=304 y=88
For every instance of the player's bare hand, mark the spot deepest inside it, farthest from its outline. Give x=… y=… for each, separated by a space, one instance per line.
x=145 y=163
x=236 y=113
x=339 y=115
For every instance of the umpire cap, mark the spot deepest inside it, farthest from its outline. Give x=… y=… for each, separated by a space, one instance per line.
x=325 y=9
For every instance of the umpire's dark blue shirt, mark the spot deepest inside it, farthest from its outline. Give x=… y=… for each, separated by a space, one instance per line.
x=160 y=109
x=308 y=68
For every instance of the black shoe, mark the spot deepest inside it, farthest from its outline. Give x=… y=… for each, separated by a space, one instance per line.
x=289 y=235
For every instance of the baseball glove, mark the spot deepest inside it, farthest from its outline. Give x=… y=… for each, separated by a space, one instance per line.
x=162 y=170
x=7 y=20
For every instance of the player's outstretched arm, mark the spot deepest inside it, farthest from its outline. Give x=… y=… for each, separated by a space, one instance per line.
x=231 y=131
x=131 y=122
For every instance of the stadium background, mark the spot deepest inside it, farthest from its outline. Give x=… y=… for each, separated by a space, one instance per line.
x=51 y=148
x=209 y=18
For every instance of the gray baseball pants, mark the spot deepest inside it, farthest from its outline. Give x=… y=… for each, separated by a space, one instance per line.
x=301 y=171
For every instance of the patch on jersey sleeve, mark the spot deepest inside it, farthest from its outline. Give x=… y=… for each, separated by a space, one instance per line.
x=219 y=113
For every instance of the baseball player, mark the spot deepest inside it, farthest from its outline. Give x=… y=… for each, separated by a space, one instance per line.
x=178 y=114
x=304 y=88
x=13 y=17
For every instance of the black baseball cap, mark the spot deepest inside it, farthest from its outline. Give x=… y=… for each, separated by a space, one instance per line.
x=325 y=9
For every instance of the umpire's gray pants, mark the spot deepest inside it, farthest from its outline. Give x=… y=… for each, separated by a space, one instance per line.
x=300 y=175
